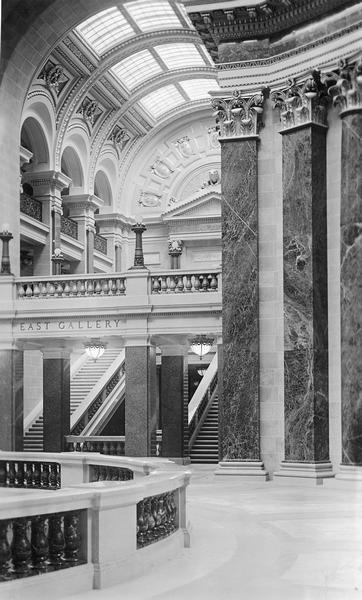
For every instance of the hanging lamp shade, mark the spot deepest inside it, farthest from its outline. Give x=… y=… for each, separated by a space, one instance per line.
x=94 y=349
x=201 y=345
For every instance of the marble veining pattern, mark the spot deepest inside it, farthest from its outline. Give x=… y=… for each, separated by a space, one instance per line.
x=239 y=405
x=305 y=295
x=351 y=289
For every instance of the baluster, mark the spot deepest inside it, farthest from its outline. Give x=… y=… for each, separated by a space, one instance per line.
x=118 y=449
x=72 y=538
x=82 y=287
x=122 y=286
x=98 y=287
x=51 y=288
x=52 y=476
x=56 y=540
x=39 y=542
x=74 y=291
x=205 y=283
x=36 y=292
x=5 y=550
x=44 y=475
x=59 y=289
x=19 y=474
x=2 y=473
x=213 y=282
x=142 y=524
x=197 y=283
x=180 y=283
x=164 y=284
x=21 y=546
x=43 y=290
x=105 y=448
x=112 y=287
x=172 y=285
x=36 y=474
x=90 y=289
x=21 y=290
x=155 y=285
x=105 y=287
x=10 y=474
x=67 y=289
x=188 y=285
x=28 y=291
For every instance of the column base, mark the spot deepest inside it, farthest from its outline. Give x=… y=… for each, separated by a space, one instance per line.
x=179 y=460
x=248 y=470
x=349 y=477
x=303 y=473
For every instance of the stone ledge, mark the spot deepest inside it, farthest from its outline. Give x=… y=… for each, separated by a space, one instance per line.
x=248 y=470
x=305 y=473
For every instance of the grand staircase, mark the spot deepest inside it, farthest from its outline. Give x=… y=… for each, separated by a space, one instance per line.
x=81 y=384
x=205 y=447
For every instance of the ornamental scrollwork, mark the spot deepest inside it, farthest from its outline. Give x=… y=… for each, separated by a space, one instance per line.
x=238 y=115
x=345 y=85
x=304 y=102
x=89 y=110
x=149 y=199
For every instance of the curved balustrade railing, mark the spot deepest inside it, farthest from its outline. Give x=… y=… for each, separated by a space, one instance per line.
x=178 y=281
x=69 y=286
x=42 y=532
x=30 y=474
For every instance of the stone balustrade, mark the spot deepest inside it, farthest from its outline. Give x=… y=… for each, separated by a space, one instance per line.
x=30 y=474
x=109 y=445
x=70 y=286
x=65 y=536
x=182 y=282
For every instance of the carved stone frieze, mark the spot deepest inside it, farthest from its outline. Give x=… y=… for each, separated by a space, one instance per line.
x=345 y=85
x=305 y=102
x=238 y=116
x=90 y=110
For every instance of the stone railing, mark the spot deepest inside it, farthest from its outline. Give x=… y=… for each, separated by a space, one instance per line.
x=30 y=474
x=70 y=286
x=42 y=532
x=39 y=544
x=100 y=243
x=31 y=207
x=109 y=445
x=69 y=227
x=202 y=400
x=181 y=282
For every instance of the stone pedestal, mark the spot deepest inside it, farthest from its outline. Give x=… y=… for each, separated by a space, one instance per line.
x=141 y=400
x=11 y=385
x=174 y=404
x=351 y=287
x=56 y=399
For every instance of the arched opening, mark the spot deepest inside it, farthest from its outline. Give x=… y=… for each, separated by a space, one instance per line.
x=34 y=139
x=102 y=188
x=72 y=167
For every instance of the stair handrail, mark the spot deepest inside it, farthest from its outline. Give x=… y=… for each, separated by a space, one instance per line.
x=202 y=400
x=34 y=414
x=107 y=409
x=81 y=412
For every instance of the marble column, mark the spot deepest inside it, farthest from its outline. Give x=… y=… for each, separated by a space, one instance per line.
x=11 y=385
x=239 y=422
x=174 y=403
x=56 y=399
x=47 y=187
x=141 y=399
x=303 y=116
x=347 y=94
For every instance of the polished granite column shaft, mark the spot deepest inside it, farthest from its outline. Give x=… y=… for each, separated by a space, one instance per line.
x=56 y=400
x=141 y=401
x=351 y=287
x=174 y=405
x=11 y=385
x=305 y=294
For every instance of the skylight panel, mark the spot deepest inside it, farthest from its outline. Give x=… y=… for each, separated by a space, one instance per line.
x=150 y=16
x=197 y=89
x=159 y=102
x=105 y=30
x=176 y=56
x=182 y=8
x=131 y=71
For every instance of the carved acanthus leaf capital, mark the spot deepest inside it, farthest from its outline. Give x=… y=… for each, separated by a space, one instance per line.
x=237 y=115
x=175 y=247
x=304 y=102
x=345 y=85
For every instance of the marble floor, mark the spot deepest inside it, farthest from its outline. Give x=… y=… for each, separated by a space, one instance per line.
x=259 y=541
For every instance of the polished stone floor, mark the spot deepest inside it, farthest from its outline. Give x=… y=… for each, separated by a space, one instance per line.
x=259 y=541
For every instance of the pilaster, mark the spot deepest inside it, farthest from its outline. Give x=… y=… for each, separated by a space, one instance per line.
x=81 y=209
x=238 y=119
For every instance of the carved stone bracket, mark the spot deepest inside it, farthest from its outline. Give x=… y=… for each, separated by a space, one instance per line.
x=345 y=85
x=302 y=103
x=175 y=247
x=238 y=116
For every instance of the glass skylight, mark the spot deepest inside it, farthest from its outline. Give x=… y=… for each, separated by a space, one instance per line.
x=197 y=89
x=159 y=102
x=134 y=69
x=150 y=16
x=105 y=30
x=176 y=56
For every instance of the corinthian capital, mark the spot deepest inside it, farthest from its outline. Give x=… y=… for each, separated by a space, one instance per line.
x=301 y=103
x=238 y=115
x=345 y=85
